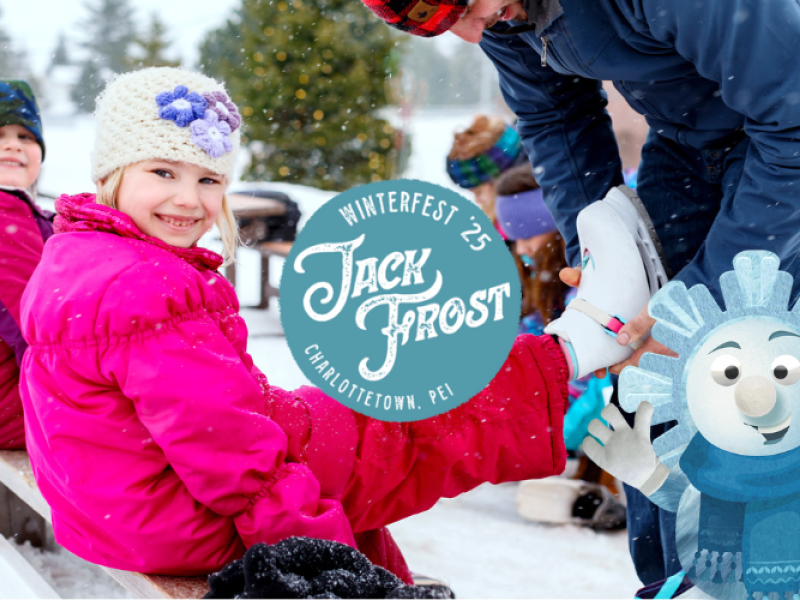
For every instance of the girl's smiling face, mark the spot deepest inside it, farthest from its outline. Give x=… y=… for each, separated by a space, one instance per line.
x=20 y=157
x=176 y=202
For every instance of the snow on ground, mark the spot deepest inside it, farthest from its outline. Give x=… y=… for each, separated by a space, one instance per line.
x=482 y=548
x=70 y=576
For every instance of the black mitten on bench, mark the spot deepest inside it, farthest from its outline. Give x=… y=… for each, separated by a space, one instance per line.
x=310 y=568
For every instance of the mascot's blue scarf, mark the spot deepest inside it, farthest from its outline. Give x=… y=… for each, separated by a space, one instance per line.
x=749 y=505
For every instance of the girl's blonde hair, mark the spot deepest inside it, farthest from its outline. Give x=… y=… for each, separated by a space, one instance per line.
x=108 y=189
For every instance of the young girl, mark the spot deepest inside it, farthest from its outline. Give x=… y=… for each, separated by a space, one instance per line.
x=158 y=444
x=24 y=227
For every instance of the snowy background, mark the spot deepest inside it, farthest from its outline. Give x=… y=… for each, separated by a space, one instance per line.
x=477 y=543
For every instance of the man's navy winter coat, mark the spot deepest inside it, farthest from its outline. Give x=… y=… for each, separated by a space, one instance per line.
x=704 y=73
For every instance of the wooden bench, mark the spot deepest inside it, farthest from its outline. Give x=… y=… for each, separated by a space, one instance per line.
x=268 y=249
x=248 y=207
x=19 y=579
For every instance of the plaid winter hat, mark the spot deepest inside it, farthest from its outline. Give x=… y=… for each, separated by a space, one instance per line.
x=425 y=18
x=18 y=107
x=524 y=215
x=489 y=164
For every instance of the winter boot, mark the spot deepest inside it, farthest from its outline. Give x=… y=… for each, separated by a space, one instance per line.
x=559 y=501
x=616 y=283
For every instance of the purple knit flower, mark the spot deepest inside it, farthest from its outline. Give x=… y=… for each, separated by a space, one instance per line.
x=225 y=109
x=181 y=106
x=212 y=135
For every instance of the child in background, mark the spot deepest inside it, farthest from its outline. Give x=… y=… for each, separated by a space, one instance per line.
x=526 y=221
x=528 y=225
x=159 y=445
x=480 y=154
x=24 y=228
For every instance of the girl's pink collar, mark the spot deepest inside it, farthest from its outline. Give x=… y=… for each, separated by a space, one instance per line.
x=82 y=213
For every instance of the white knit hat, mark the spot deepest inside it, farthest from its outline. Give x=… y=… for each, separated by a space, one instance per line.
x=168 y=114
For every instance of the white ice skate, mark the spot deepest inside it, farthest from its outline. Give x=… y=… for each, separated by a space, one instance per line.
x=560 y=501
x=621 y=270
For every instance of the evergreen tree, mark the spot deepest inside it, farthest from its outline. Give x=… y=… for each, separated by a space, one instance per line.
x=8 y=57
x=89 y=85
x=149 y=48
x=109 y=32
x=309 y=78
x=60 y=55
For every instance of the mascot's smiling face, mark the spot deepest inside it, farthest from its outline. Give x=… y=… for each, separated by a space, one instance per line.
x=742 y=387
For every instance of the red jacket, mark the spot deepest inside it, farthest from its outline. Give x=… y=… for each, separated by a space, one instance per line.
x=161 y=448
x=23 y=231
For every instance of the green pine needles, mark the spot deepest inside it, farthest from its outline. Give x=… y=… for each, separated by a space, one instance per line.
x=309 y=77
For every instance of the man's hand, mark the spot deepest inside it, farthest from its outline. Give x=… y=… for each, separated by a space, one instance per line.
x=570 y=276
x=631 y=332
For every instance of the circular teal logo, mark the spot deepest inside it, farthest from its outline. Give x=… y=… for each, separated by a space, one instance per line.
x=400 y=299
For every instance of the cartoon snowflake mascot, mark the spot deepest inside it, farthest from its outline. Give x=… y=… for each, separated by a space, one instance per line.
x=731 y=466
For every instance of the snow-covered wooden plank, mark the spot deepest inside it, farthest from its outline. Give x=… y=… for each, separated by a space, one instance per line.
x=136 y=583
x=18 y=579
x=160 y=586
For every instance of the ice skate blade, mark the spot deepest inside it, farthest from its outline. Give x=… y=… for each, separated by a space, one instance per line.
x=647 y=242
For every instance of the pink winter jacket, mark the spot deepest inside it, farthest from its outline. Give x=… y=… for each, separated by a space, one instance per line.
x=23 y=231
x=161 y=448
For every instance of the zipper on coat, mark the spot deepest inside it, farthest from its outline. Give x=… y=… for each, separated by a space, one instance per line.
x=545 y=41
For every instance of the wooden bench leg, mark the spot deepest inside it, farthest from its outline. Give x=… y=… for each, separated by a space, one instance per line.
x=264 y=282
x=20 y=522
x=230 y=274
